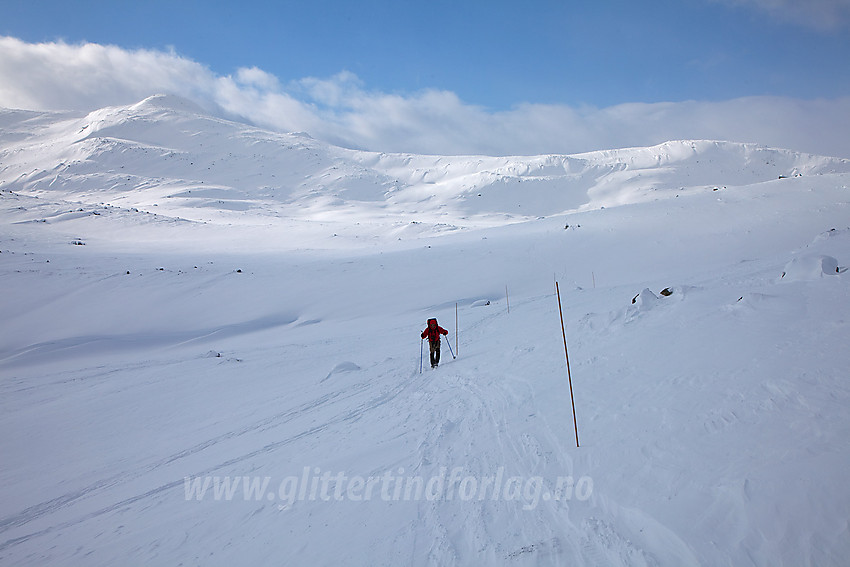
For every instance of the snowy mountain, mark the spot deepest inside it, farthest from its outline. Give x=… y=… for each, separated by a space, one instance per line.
x=166 y=152
x=209 y=350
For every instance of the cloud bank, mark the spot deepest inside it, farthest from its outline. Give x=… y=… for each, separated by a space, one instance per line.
x=341 y=110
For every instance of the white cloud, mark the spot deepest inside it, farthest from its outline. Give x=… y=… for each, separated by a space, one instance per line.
x=61 y=76
x=54 y=76
x=257 y=78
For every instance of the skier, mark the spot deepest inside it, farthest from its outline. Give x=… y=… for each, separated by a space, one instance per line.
x=432 y=333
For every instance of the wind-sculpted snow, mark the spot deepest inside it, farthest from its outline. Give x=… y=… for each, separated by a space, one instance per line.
x=809 y=267
x=210 y=351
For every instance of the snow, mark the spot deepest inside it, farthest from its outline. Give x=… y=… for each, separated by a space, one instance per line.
x=192 y=302
x=810 y=266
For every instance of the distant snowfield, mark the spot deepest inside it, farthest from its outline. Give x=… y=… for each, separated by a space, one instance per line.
x=209 y=350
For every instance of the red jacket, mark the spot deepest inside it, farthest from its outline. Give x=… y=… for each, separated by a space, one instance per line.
x=433 y=332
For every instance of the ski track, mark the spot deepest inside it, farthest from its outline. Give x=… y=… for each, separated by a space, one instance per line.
x=278 y=420
x=463 y=414
x=470 y=417
x=459 y=412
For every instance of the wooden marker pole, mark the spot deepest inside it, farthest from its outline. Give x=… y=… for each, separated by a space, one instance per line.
x=567 y=354
x=456 y=332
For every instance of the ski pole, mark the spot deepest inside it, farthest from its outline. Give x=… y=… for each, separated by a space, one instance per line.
x=448 y=342
x=422 y=342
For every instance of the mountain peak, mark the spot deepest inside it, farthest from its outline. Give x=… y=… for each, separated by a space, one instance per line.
x=169 y=102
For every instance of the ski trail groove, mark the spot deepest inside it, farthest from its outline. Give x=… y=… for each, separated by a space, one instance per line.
x=51 y=506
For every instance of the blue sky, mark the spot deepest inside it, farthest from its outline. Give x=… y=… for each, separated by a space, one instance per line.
x=491 y=58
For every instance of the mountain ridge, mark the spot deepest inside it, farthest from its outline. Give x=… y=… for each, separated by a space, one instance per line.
x=168 y=152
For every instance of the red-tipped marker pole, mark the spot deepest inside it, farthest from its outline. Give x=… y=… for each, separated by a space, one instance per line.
x=567 y=354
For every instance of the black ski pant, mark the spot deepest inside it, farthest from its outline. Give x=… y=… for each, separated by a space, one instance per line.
x=435 y=352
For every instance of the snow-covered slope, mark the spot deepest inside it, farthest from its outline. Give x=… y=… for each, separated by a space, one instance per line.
x=192 y=304
x=165 y=153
